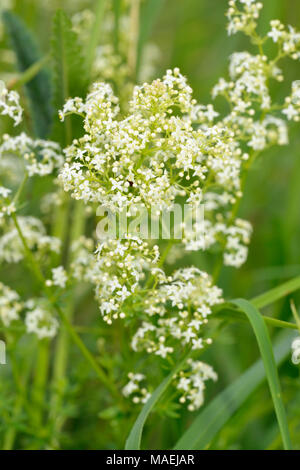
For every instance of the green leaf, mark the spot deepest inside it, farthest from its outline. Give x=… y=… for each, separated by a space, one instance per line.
x=68 y=72
x=216 y=414
x=277 y=293
x=149 y=13
x=38 y=89
x=134 y=439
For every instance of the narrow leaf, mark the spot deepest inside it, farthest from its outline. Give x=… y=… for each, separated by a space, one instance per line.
x=216 y=414
x=277 y=293
x=38 y=89
x=134 y=439
x=266 y=351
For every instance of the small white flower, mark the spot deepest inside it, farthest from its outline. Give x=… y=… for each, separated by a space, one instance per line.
x=296 y=351
x=9 y=103
x=59 y=277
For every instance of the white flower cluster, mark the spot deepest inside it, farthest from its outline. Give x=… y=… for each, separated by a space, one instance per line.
x=10 y=305
x=292 y=103
x=11 y=247
x=41 y=157
x=162 y=148
x=10 y=104
x=7 y=207
x=191 y=383
x=121 y=266
x=245 y=19
x=145 y=157
x=234 y=236
x=287 y=39
x=59 y=277
x=38 y=319
x=135 y=390
x=175 y=312
x=296 y=350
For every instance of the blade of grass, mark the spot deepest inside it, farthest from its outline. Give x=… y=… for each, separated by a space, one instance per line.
x=216 y=414
x=133 y=441
x=295 y=314
x=266 y=351
x=269 y=297
x=230 y=313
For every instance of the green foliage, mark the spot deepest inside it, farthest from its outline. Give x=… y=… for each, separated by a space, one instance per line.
x=134 y=439
x=217 y=413
x=38 y=89
x=149 y=14
x=69 y=73
x=266 y=351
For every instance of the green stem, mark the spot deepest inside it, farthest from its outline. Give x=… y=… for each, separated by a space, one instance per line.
x=85 y=352
x=20 y=189
x=40 y=380
x=295 y=314
x=95 y=35
x=76 y=338
x=133 y=37
x=63 y=343
x=279 y=323
x=21 y=399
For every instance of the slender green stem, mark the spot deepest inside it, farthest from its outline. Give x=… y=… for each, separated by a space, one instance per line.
x=116 y=7
x=295 y=314
x=133 y=37
x=95 y=34
x=40 y=380
x=85 y=352
x=279 y=323
x=20 y=189
x=30 y=258
x=76 y=338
